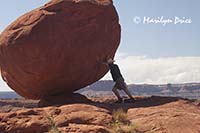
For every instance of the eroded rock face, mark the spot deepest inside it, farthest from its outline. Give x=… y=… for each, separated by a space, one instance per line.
x=180 y=116
x=68 y=118
x=146 y=115
x=54 y=49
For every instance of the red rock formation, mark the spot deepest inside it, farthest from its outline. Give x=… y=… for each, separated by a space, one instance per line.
x=175 y=117
x=68 y=118
x=149 y=115
x=54 y=49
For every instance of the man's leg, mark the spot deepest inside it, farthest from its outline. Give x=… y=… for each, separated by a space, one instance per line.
x=115 y=91
x=128 y=92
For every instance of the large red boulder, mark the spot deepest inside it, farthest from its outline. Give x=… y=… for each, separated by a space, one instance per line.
x=55 y=48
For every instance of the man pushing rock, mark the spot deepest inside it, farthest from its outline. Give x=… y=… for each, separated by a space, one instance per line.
x=119 y=81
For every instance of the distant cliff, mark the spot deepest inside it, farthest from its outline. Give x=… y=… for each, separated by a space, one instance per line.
x=104 y=87
x=186 y=90
x=8 y=95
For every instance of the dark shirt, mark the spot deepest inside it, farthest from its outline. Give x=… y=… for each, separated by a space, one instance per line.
x=115 y=72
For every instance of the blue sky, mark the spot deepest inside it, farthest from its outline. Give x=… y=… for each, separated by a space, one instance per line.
x=152 y=40
x=156 y=40
x=152 y=43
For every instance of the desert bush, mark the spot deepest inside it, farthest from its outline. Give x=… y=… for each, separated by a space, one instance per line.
x=120 y=115
x=120 y=123
x=53 y=128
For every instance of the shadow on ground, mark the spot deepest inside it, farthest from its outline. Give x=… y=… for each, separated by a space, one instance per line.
x=8 y=105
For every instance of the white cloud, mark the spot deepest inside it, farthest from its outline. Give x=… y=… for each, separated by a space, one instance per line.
x=141 y=69
x=3 y=85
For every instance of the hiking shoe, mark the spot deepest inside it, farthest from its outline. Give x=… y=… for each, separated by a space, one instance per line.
x=131 y=100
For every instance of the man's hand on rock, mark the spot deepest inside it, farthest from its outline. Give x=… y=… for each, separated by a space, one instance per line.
x=102 y=62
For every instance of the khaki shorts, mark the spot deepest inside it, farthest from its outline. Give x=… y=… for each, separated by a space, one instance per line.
x=120 y=84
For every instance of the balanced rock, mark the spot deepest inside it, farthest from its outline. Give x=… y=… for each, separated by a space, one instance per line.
x=55 y=49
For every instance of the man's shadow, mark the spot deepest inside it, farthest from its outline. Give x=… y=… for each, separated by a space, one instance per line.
x=77 y=98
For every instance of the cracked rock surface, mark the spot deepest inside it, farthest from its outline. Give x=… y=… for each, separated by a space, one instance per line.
x=152 y=114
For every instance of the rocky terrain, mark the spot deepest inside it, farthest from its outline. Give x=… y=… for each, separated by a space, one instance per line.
x=100 y=115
